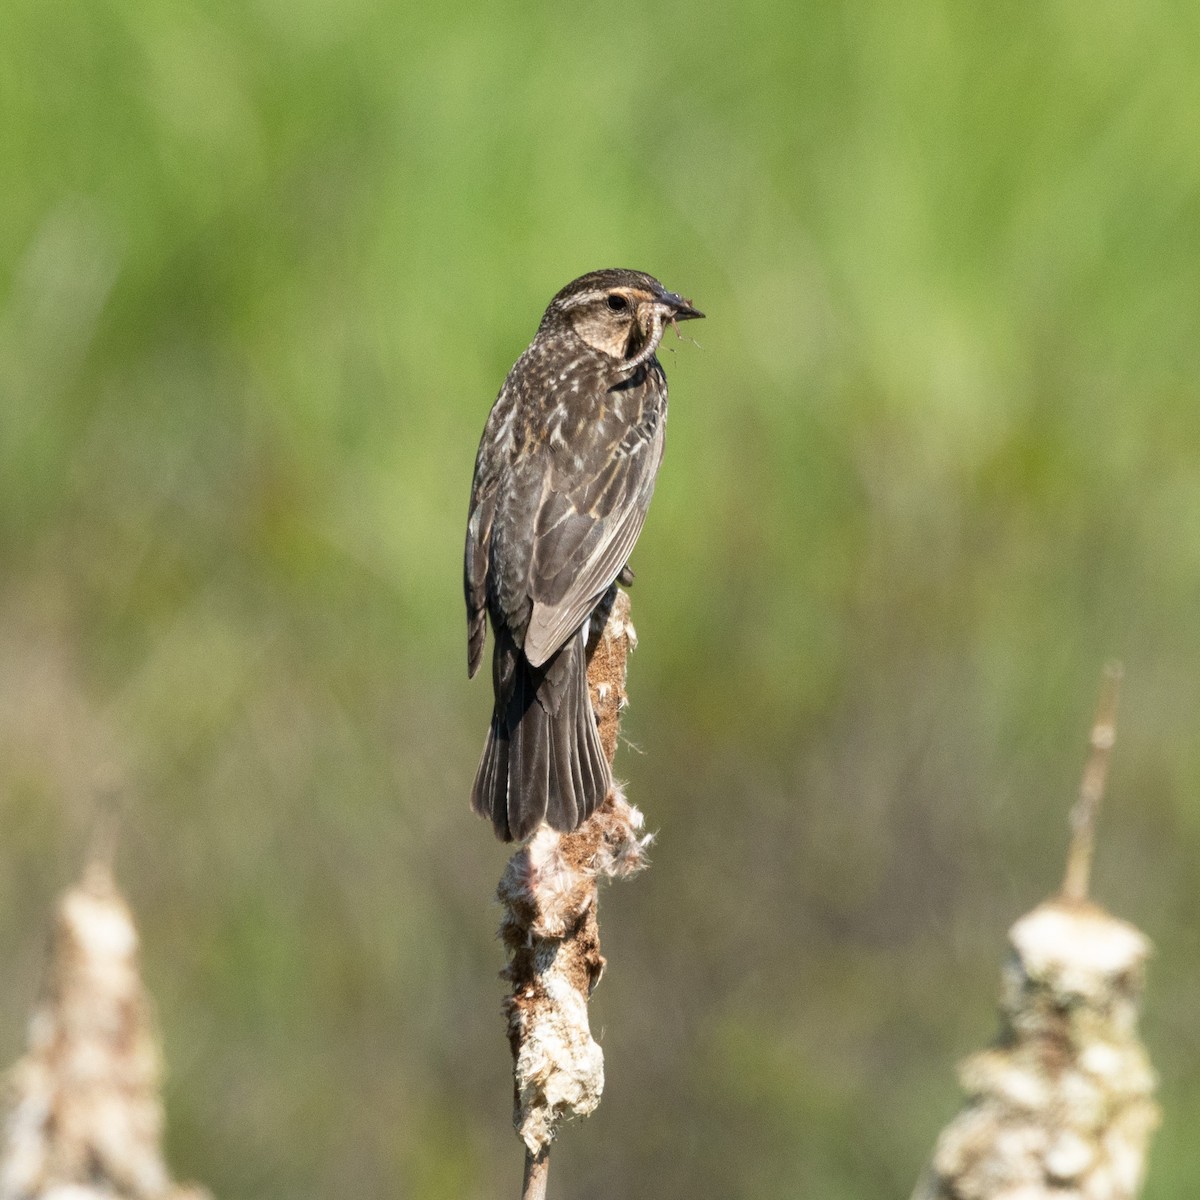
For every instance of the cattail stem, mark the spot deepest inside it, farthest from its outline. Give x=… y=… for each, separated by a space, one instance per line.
x=83 y=1111
x=1091 y=788
x=1062 y=1102
x=550 y=929
x=537 y=1172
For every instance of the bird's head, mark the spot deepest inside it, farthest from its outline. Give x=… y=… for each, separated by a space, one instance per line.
x=620 y=313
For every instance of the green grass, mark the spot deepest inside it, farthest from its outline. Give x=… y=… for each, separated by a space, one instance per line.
x=262 y=271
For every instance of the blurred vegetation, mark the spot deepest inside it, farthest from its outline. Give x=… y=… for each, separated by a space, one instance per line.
x=262 y=270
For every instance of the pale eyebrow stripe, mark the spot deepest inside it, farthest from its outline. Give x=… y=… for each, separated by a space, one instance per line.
x=600 y=293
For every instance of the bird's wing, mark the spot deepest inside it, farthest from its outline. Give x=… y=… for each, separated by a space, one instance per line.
x=475 y=564
x=587 y=523
x=481 y=516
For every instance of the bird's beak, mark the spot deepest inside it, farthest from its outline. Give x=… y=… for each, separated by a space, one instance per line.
x=681 y=309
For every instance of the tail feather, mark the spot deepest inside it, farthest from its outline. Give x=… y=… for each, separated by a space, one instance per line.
x=543 y=759
x=492 y=778
x=564 y=765
x=529 y=775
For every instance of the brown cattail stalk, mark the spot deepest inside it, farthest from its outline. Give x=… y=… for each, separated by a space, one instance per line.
x=1091 y=788
x=1061 y=1106
x=550 y=930
x=83 y=1115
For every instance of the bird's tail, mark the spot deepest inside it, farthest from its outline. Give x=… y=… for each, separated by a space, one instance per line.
x=543 y=759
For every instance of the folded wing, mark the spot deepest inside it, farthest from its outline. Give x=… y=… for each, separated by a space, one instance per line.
x=588 y=521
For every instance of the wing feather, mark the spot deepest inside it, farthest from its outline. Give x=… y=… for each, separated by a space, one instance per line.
x=585 y=536
x=475 y=565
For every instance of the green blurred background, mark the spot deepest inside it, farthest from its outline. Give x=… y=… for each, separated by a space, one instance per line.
x=262 y=270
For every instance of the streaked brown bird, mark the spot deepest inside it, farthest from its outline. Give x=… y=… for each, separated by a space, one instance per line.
x=563 y=479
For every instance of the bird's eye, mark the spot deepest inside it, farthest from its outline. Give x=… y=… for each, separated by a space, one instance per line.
x=617 y=302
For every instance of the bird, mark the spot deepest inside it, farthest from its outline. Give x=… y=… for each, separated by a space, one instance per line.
x=563 y=479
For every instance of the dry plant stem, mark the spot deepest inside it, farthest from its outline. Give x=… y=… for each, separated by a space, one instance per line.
x=83 y=1115
x=551 y=933
x=1061 y=1106
x=1091 y=789
x=537 y=1173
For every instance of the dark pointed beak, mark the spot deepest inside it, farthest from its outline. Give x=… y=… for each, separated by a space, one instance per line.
x=683 y=309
